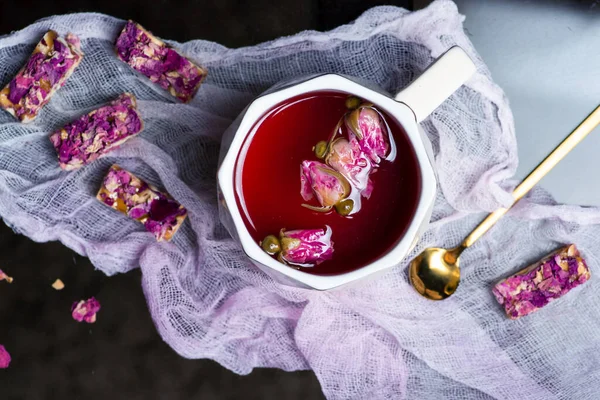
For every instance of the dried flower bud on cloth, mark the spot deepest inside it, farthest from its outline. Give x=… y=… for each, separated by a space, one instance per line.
x=4 y=358
x=52 y=62
x=375 y=340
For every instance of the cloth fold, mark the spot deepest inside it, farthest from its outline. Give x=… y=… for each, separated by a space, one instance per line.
x=377 y=339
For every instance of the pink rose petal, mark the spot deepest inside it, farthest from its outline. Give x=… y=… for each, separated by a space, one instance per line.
x=4 y=277
x=85 y=310
x=4 y=358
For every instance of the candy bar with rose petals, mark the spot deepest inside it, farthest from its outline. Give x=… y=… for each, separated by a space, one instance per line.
x=53 y=60
x=161 y=63
x=160 y=214
x=542 y=282
x=82 y=141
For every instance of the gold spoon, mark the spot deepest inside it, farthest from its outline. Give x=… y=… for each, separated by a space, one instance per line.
x=435 y=273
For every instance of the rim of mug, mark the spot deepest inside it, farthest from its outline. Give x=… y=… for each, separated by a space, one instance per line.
x=330 y=82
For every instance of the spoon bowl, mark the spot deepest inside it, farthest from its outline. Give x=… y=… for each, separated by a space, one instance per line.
x=435 y=273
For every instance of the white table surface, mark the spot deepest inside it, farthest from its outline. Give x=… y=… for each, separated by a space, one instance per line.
x=546 y=57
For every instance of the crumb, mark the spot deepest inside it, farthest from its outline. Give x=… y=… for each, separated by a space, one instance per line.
x=58 y=285
x=4 y=277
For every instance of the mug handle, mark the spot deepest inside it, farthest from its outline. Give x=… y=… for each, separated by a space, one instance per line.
x=437 y=82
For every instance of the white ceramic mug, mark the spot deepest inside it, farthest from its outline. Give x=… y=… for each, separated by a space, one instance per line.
x=409 y=107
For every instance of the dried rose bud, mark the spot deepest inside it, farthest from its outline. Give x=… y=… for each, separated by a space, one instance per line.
x=347 y=158
x=548 y=279
x=323 y=182
x=85 y=310
x=4 y=358
x=306 y=247
x=301 y=247
x=371 y=131
x=4 y=277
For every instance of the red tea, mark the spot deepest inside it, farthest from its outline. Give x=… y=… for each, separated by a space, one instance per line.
x=268 y=188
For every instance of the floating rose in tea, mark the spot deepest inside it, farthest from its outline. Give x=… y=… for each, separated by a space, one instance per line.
x=371 y=131
x=329 y=187
x=301 y=247
x=345 y=156
x=360 y=141
x=359 y=177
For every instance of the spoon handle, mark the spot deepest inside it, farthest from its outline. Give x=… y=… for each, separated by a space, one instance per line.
x=584 y=128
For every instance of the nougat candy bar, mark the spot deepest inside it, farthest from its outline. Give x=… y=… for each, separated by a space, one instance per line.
x=161 y=63
x=158 y=211
x=53 y=60
x=548 y=279
x=82 y=141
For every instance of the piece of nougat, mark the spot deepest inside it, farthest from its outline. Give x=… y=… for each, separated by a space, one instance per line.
x=158 y=211
x=548 y=279
x=82 y=141
x=161 y=63
x=53 y=60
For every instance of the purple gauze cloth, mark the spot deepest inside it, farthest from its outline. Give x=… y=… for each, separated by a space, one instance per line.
x=377 y=339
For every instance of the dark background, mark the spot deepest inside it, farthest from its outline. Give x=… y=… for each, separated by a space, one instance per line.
x=122 y=356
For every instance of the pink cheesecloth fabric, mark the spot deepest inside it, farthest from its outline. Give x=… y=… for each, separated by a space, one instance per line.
x=377 y=339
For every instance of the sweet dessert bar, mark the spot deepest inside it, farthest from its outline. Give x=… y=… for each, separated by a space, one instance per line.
x=53 y=60
x=89 y=137
x=161 y=63
x=542 y=282
x=159 y=212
